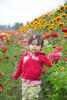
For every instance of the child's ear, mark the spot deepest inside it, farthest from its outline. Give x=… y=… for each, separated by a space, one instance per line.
x=42 y=47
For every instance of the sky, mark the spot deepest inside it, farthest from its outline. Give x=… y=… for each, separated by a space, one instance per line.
x=12 y=11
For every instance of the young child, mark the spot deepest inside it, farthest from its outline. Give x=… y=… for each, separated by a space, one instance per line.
x=30 y=67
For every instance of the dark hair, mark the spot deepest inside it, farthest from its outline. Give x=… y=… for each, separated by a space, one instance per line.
x=40 y=39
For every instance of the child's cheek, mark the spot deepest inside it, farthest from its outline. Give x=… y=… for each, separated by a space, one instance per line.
x=28 y=48
x=39 y=48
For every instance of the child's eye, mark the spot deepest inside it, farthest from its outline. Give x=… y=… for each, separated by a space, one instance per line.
x=32 y=44
x=38 y=45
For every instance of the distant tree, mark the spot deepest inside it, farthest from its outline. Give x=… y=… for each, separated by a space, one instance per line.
x=9 y=27
x=13 y=27
x=27 y=23
x=3 y=27
x=17 y=25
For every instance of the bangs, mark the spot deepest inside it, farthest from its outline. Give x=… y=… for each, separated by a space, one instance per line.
x=38 y=37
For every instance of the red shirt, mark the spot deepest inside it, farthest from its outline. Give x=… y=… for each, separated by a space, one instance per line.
x=30 y=66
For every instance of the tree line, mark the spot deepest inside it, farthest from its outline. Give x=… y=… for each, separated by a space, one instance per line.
x=16 y=26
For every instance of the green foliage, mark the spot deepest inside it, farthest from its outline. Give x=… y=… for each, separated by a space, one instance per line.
x=54 y=85
x=11 y=89
x=54 y=81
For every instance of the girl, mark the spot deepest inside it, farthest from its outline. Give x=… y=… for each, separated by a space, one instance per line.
x=30 y=67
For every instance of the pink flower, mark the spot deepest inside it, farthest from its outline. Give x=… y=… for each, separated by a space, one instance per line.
x=21 y=36
x=15 y=55
x=59 y=48
x=7 y=57
x=54 y=35
x=22 y=46
x=4 y=50
x=65 y=36
x=1 y=37
x=1 y=90
x=0 y=59
x=65 y=59
x=28 y=31
x=62 y=68
x=55 y=55
x=1 y=73
x=46 y=36
x=3 y=47
x=25 y=41
x=64 y=30
x=53 y=46
x=9 y=43
x=22 y=50
x=1 y=86
x=3 y=41
x=24 y=31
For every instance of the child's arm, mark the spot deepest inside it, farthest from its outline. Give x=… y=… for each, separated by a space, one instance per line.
x=46 y=61
x=19 y=69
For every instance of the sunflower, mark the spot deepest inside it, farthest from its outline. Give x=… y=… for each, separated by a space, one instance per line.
x=65 y=21
x=58 y=11
x=65 y=7
x=61 y=8
x=35 y=28
x=46 y=15
x=51 y=28
x=35 y=23
x=42 y=26
x=44 y=22
x=54 y=19
x=63 y=15
x=40 y=20
x=52 y=14
x=31 y=23
x=43 y=17
x=58 y=18
x=60 y=24
x=51 y=22
x=21 y=28
x=65 y=33
x=47 y=25
x=36 y=19
x=38 y=23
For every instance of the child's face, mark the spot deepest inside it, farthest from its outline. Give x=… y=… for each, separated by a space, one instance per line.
x=34 y=47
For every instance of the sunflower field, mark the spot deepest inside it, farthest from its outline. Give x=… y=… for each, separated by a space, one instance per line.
x=53 y=27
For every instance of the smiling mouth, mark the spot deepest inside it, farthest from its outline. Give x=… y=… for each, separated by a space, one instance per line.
x=34 y=50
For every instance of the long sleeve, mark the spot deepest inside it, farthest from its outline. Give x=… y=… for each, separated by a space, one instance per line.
x=19 y=69
x=45 y=60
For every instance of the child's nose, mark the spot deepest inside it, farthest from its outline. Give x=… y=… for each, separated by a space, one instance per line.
x=34 y=46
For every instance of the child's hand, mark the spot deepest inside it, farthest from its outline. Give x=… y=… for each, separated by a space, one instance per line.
x=14 y=78
x=44 y=70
